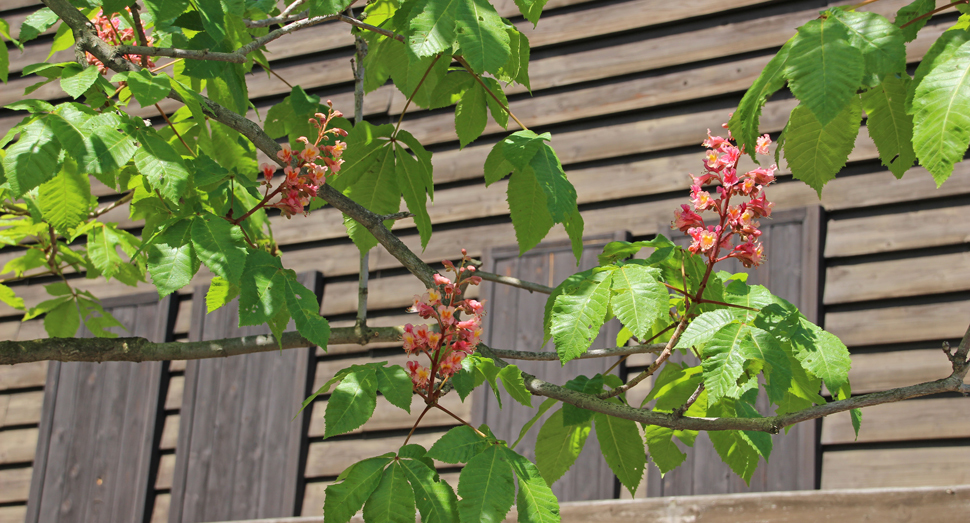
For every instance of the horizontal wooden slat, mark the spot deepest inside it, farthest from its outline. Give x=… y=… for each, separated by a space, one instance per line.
x=896 y=232
x=170 y=432
x=14 y=484
x=160 y=509
x=330 y=458
x=13 y=514
x=886 y=370
x=900 y=324
x=389 y=417
x=934 y=418
x=896 y=467
x=177 y=365
x=17 y=446
x=173 y=401
x=897 y=278
x=328 y=368
x=166 y=471
x=21 y=408
x=315 y=494
x=23 y=375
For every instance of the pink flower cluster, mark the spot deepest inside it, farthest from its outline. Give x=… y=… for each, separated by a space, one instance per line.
x=109 y=30
x=720 y=166
x=455 y=337
x=307 y=169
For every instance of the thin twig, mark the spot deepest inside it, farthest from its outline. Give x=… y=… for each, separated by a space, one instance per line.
x=463 y=422
x=467 y=67
x=668 y=349
x=173 y=52
x=113 y=205
x=163 y=66
x=397 y=216
x=274 y=73
x=933 y=12
x=282 y=31
x=170 y=124
x=514 y=282
x=373 y=28
x=679 y=413
x=591 y=353
x=413 y=93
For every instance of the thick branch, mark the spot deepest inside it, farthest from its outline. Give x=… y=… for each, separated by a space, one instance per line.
x=173 y=52
x=591 y=353
x=141 y=349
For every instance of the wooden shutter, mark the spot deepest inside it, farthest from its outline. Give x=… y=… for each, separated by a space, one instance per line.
x=792 y=241
x=95 y=455
x=514 y=321
x=240 y=451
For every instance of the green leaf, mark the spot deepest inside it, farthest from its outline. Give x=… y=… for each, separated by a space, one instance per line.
x=32 y=160
x=882 y=43
x=910 y=12
x=639 y=299
x=63 y=321
x=535 y=501
x=220 y=246
x=103 y=243
x=36 y=23
x=436 y=500
x=574 y=226
x=663 y=451
x=579 y=313
x=824 y=69
x=377 y=190
x=497 y=107
x=856 y=416
x=458 y=445
x=516 y=68
x=305 y=310
x=622 y=448
x=219 y=294
x=64 y=200
x=527 y=205
x=213 y=19
x=345 y=498
x=471 y=115
x=352 y=402
x=723 y=360
x=147 y=88
x=674 y=386
x=75 y=81
x=393 y=500
x=941 y=115
x=328 y=7
x=702 y=328
x=432 y=26
x=172 y=260
x=4 y=63
x=515 y=385
x=8 y=296
x=573 y=415
x=166 y=9
x=521 y=147
x=939 y=53
x=816 y=152
x=746 y=120
x=486 y=488
x=395 y=384
x=263 y=288
x=107 y=149
x=71 y=138
x=560 y=194
x=823 y=354
x=889 y=125
x=531 y=9
x=567 y=285
x=543 y=407
x=482 y=38
x=558 y=446
x=414 y=180
x=162 y=166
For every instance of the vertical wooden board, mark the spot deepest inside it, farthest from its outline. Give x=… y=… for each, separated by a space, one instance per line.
x=514 y=321
x=791 y=272
x=240 y=452
x=98 y=426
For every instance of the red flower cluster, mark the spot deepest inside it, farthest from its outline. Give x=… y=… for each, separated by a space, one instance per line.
x=720 y=166
x=307 y=169
x=455 y=338
x=110 y=30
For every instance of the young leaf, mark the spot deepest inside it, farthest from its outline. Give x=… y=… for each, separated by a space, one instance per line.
x=574 y=226
x=345 y=498
x=558 y=446
x=393 y=500
x=579 y=313
x=305 y=310
x=470 y=115
x=622 y=448
x=941 y=115
x=515 y=385
x=458 y=445
x=824 y=69
x=36 y=23
x=8 y=296
x=352 y=402
x=889 y=125
x=263 y=288
x=882 y=43
x=103 y=243
x=395 y=384
x=172 y=260
x=639 y=299
x=531 y=9
x=436 y=500
x=220 y=246
x=485 y=487
x=219 y=294
x=663 y=451
x=746 y=120
x=816 y=152
x=64 y=200
x=32 y=160
x=703 y=328
x=535 y=501
x=939 y=53
x=723 y=361
x=527 y=205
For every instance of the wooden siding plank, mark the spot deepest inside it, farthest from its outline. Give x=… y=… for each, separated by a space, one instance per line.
x=900 y=324
x=898 y=278
x=899 y=231
x=21 y=408
x=160 y=508
x=23 y=375
x=18 y=446
x=13 y=514
x=14 y=484
x=878 y=371
x=933 y=418
x=389 y=417
x=896 y=467
x=330 y=458
x=170 y=432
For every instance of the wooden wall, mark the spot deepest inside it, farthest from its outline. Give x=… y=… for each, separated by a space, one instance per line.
x=628 y=89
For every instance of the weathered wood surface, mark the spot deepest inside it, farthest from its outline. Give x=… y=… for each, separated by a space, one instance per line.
x=327 y=459
x=918 y=276
x=389 y=417
x=872 y=372
x=240 y=449
x=921 y=419
x=898 y=231
x=898 y=467
x=947 y=320
x=13 y=514
x=18 y=446
x=14 y=484
x=21 y=408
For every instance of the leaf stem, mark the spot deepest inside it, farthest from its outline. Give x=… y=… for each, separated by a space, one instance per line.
x=448 y=412
x=410 y=98
x=416 y=422
x=468 y=68
x=933 y=12
x=169 y=122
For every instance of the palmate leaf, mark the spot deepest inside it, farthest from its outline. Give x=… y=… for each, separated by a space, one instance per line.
x=102 y=246
x=746 y=120
x=578 y=314
x=64 y=200
x=32 y=160
x=823 y=68
x=219 y=294
x=417 y=77
x=816 y=153
x=639 y=299
x=147 y=88
x=527 y=206
x=888 y=124
x=395 y=384
x=221 y=246
x=75 y=81
x=107 y=149
x=558 y=446
x=352 y=402
x=346 y=497
x=882 y=43
x=486 y=487
x=738 y=449
x=674 y=386
x=941 y=115
x=531 y=9
x=436 y=500
x=702 y=328
x=723 y=360
x=535 y=501
x=63 y=320
x=413 y=179
x=622 y=448
x=172 y=260
x=516 y=68
x=364 y=149
x=393 y=499
x=328 y=7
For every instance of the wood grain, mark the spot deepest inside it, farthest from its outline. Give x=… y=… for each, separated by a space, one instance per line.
x=17 y=446
x=922 y=419
x=930 y=466
x=918 y=276
x=14 y=484
x=20 y=408
x=872 y=372
x=900 y=324
x=330 y=458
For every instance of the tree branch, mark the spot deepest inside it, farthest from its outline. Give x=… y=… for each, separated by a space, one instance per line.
x=591 y=353
x=191 y=54
x=514 y=282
